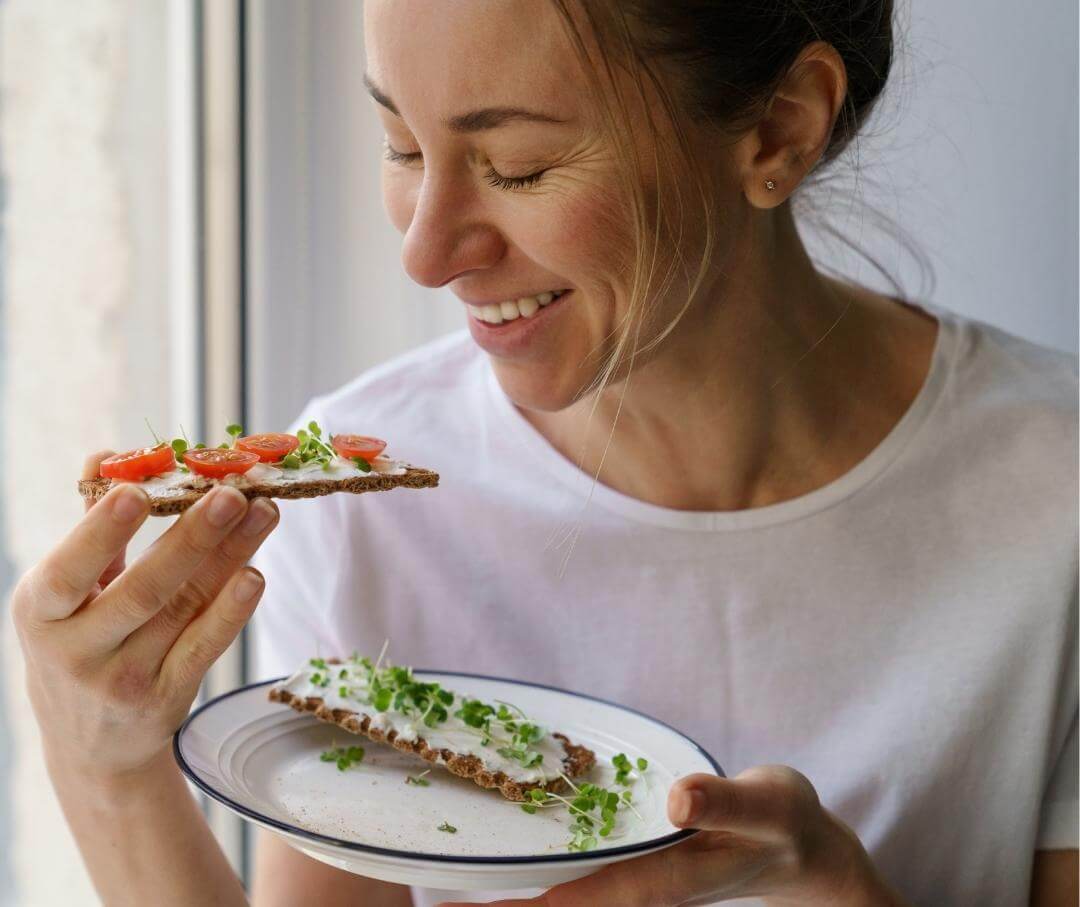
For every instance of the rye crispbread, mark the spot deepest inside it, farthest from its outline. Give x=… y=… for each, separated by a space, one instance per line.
x=181 y=500
x=577 y=762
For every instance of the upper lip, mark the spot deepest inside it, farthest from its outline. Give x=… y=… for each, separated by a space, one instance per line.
x=496 y=301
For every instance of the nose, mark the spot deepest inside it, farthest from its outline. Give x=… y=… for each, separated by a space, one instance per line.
x=445 y=238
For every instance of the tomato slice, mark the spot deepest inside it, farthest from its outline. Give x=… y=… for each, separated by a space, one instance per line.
x=269 y=448
x=358 y=446
x=138 y=464
x=216 y=462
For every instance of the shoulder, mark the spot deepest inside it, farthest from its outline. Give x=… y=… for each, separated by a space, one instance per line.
x=410 y=398
x=1005 y=425
x=1014 y=382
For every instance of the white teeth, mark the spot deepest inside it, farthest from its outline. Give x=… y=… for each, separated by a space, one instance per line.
x=526 y=307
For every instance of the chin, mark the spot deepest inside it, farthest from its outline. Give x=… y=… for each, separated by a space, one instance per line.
x=533 y=387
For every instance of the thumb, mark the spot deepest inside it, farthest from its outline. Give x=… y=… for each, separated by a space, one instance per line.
x=761 y=799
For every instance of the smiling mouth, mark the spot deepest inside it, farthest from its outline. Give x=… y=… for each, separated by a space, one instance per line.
x=513 y=309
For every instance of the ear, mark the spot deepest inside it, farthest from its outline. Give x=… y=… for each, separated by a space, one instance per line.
x=786 y=143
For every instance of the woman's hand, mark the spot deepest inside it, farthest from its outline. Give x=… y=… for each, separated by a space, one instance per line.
x=763 y=834
x=114 y=656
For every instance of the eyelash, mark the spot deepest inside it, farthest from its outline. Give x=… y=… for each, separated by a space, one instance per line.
x=497 y=180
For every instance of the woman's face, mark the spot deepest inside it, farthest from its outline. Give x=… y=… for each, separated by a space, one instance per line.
x=498 y=178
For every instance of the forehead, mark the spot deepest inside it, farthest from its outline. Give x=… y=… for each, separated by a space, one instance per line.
x=439 y=57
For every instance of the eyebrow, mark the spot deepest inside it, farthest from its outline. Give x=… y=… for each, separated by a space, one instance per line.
x=475 y=120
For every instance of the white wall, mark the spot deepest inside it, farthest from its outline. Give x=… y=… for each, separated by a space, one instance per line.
x=974 y=152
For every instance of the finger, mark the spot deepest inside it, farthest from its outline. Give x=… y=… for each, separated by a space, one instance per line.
x=762 y=800
x=69 y=573
x=151 y=642
x=91 y=470
x=655 y=880
x=147 y=585
x=212 y=632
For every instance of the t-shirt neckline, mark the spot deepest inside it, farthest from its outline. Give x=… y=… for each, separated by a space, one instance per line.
x=859 y=476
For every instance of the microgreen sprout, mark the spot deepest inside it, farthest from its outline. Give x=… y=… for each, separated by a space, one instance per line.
x=388 y=687
x=344 y=756
x=447 y=827
x=157 y=440
x=312 y=449
x=418 y=780
x=593 y=808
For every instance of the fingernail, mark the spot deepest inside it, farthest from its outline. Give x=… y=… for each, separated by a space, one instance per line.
x=248 y=586
x=129 y=504
x=688 y=807
x=225 y=504
x=259 y=515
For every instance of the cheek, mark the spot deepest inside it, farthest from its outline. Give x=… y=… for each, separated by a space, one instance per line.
x=585 y=236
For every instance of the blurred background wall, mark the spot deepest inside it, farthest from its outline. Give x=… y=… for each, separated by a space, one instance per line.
x=102 y=248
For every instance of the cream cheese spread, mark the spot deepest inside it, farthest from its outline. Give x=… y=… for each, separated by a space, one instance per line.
x=177 y=482
x=347 y=689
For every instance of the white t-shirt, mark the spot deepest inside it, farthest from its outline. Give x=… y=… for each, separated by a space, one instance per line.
x=905 y=636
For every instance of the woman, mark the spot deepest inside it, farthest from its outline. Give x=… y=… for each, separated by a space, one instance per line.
x=829 y=534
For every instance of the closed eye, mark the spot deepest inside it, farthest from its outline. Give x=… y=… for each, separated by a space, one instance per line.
x=400 y=157
x=512 y=182
x=493 y=177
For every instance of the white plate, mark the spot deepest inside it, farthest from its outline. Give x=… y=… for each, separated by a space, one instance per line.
x=261 y=760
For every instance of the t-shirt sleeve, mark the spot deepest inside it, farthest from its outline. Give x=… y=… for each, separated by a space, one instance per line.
x=297 y=560
x=1059 y=820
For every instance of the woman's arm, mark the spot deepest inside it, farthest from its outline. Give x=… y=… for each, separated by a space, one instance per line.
x=144 y=839
x=114 y=658
x=285 y=877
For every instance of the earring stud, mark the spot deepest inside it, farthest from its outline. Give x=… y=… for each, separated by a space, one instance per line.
x=770 y=185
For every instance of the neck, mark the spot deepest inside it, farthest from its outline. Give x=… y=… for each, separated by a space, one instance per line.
x=778 y=380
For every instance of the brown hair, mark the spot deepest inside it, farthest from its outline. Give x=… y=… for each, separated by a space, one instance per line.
x=717 y=62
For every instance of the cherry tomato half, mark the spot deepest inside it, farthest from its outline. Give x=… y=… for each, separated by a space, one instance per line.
x=136 y=465
x=269 y=448
x=215 y=462
x=358 y=446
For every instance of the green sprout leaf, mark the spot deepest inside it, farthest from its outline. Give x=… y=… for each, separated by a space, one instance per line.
x=362 y=464
x=448 y=828
x=344 y=757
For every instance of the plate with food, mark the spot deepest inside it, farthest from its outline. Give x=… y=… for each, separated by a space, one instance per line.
x=176 y=474
x=437 y=778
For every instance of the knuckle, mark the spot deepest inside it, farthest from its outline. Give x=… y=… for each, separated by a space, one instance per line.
x=19 y=605
x=201 y=653
x=142 y=594
x=794 y=797
x=52 y=582
x=195 y=541
x=182 y=608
